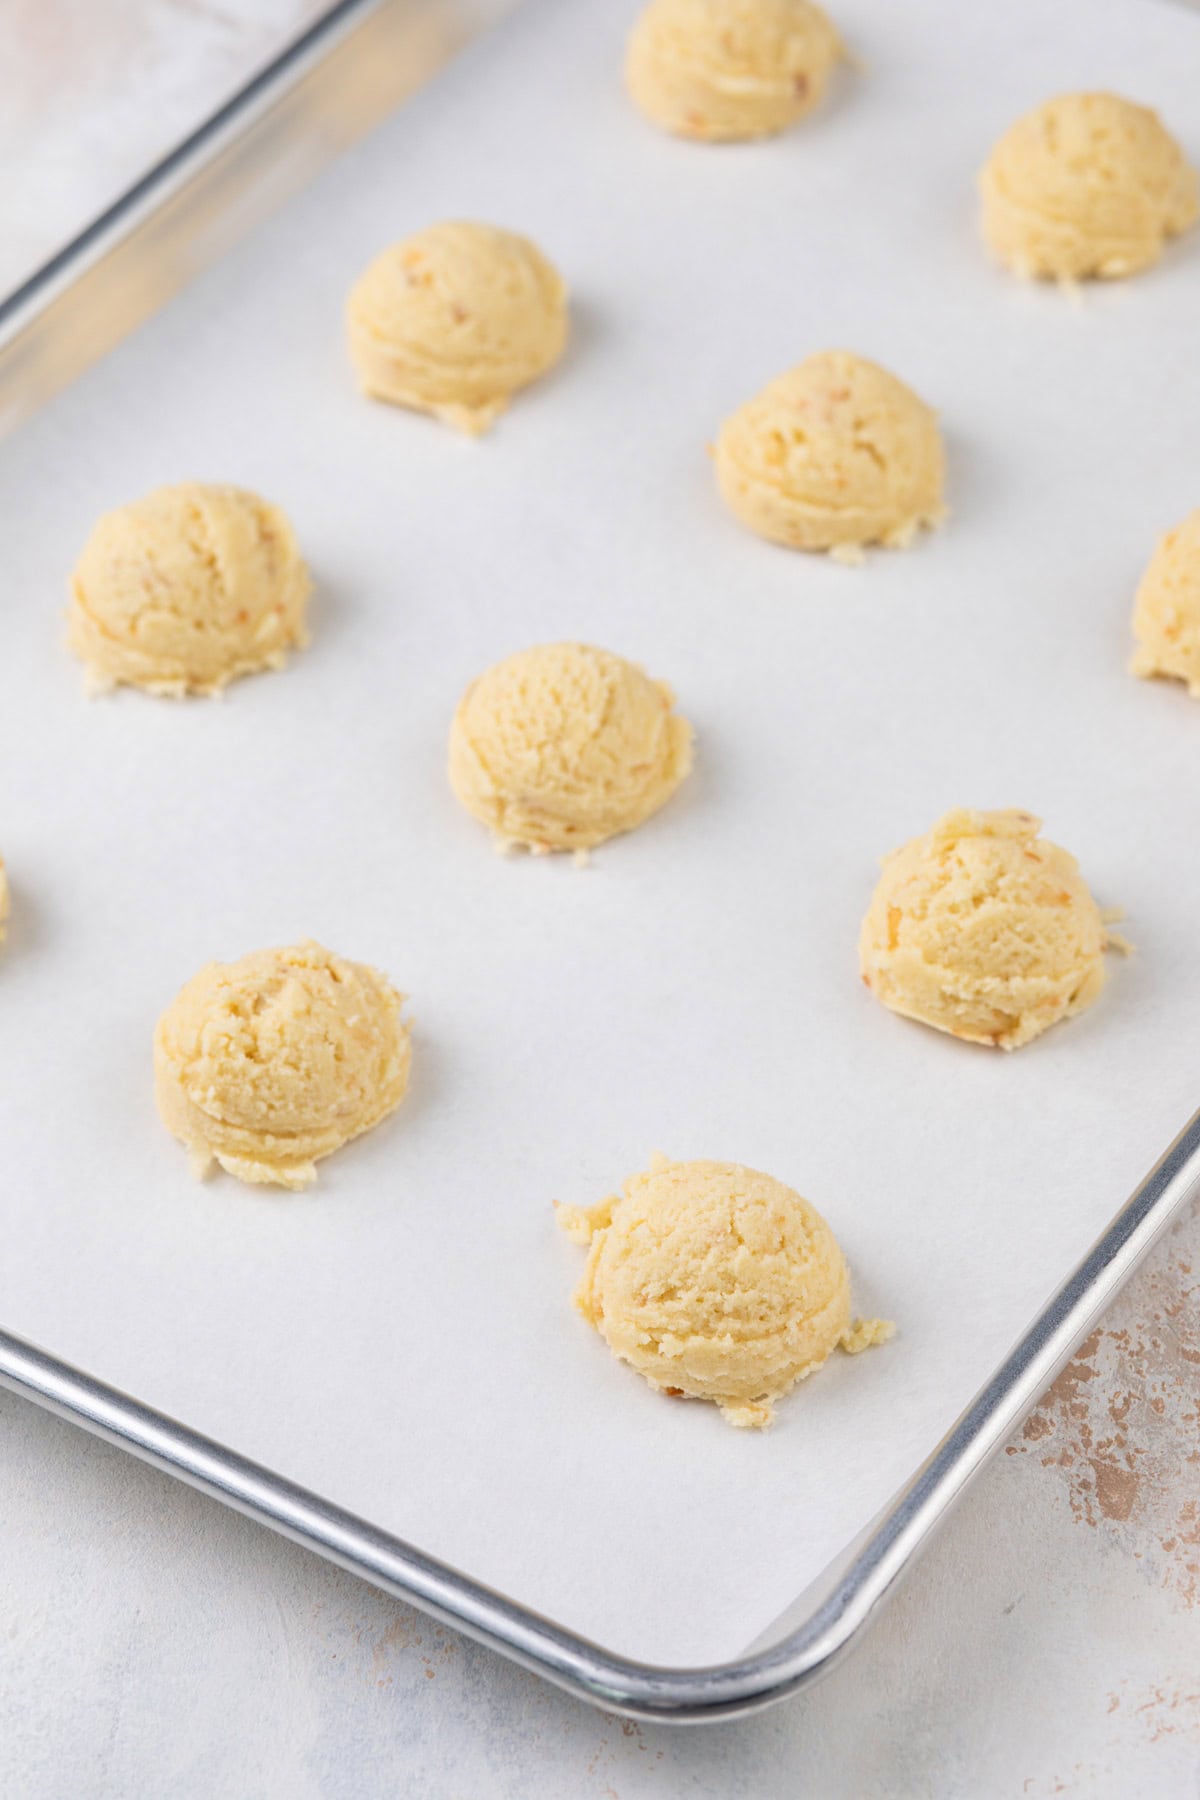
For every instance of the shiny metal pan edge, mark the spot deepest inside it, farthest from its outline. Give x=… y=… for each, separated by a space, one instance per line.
x=326 y=89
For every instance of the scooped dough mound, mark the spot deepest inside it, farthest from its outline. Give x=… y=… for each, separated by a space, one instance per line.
x=454 y=320
x=833 y=455
x=1166 y=612
x=717 y=1283
x=183 y=591
x=983 y=929
x=727 y=69
x=266 y=1064
x=562 y=746
x=1086 y=185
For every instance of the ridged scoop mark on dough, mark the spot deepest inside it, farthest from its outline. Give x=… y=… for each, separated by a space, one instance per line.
x=716 y=1282
x=1166 y=613
x=563 y=746
x=454 y=320
x=1086 y=186
x=267 y=1064
x=723 y=70
x=833 y=455
x=186 y=590
x=983 y=929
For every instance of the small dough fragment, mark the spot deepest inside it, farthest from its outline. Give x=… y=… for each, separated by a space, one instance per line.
x=833 y=455
x=1166 y=611
x=454 y=320
x=4 y=902
x=983 y=929
x=564 y=745
x=185 y=590
x=265 y=1064
x=1086 y=185
x=720 y=70
x=716 y=1283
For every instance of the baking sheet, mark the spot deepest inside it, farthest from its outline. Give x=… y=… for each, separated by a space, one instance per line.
x=401 y=1339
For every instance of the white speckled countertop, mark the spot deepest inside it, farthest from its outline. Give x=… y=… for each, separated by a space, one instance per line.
x=152 y=1643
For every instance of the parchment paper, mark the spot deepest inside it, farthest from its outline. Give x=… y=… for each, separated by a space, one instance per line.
x=401 y=1339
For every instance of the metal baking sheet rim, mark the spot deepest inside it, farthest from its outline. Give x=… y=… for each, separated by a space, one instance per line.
x=823 y=1623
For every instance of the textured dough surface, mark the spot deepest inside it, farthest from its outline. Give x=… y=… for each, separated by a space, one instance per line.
x=1166 y=611
x=454 y=320
x=187 y=589
x=716 y=1282
x=983 y=929
x=727 y=69
x=835 y=454
x=1086 y=185
x=564 y=745
x=266 y=1064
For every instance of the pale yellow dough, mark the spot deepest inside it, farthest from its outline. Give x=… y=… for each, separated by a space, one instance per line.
x=266 y=1064
x=727 y=69
x=833 y=455
x=716 y=1283
x=187 y=589
x=1086 y=185
x=454 y=320
x=1166 y=612
x=983 y=929
x=562 y=746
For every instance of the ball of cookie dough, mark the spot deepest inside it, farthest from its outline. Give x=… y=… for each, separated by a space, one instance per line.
x=717 y=1283
x=983 y=929
x=183 y=591
x=833 y=455
x=4 y=902
x=1166 y=612
x=454 y=320
x=266 y=1064
x=1086 y=185
x=562 y=746
x=728 y=69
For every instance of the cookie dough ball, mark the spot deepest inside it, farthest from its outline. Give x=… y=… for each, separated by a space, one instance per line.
x=1166 y=612
x=266 y=1064
x=726 y=69
x=456 y=319
x=3 y=902
x=560 y=747
x=833 y=455
x=1086 y=185
x=717 y=1283
x=983 y=929
x=187 y=589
